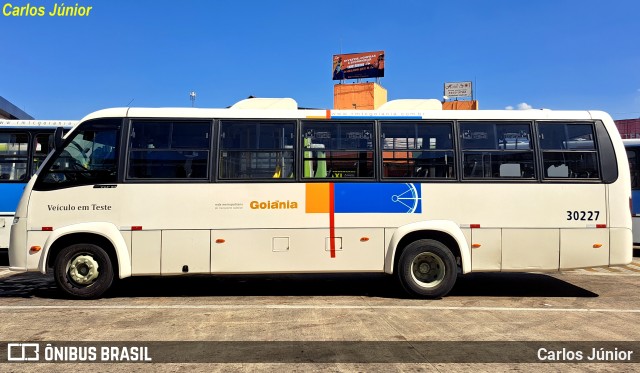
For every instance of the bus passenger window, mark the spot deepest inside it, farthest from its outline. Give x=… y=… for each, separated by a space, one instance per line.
x=568 y=150
x=337 y=150
x=13 y=156
x=256 y=150
x=420 y=149
x=497 y=150
x=169 y=150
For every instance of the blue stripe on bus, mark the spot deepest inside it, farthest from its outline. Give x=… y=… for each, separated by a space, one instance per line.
x=10 y=194
x=377 y=198
x=635 y=205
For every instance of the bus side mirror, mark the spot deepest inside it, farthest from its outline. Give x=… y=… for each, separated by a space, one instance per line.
x=57 y=138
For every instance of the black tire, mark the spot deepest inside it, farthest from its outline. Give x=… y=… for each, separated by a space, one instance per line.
x=73 y=271
x=427 y=269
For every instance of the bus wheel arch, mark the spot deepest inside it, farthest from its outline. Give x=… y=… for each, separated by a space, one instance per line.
x=84 y=264
x=427 y=263
x=442 y=237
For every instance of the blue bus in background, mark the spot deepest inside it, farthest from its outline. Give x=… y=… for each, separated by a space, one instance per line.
x=24 y=144
x=633 y=154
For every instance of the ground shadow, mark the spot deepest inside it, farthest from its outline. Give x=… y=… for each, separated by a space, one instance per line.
x=516 y=285
x=366 y=285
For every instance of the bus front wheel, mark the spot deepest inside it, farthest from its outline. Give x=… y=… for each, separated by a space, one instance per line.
x=427 y=268
x=83 y=271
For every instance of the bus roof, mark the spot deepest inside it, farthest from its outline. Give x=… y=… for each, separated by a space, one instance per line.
x=287 y=109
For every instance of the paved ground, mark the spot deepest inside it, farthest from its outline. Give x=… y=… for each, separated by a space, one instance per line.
x=632 y=268
x=341 y=312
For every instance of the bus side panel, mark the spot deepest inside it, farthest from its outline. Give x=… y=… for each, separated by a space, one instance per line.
x=5 y=230
x=620 y=243
x=297 y=250
x=18 y=253
x=582 y=248
x=11 y=193
x=636 y=229
x=185 y=251
x=530 y=249
x=35 y=238
x=619 y=195
x=145 y=252
x=9 y=196
x=488 y=255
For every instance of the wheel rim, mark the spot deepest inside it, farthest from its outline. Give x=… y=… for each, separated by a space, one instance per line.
x=83 y=270
x=427 y=270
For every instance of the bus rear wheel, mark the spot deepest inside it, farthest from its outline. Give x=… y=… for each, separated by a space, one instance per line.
x=83 y=271
x=427 y=269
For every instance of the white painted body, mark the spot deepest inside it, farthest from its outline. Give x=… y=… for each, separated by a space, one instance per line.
x=157 y=229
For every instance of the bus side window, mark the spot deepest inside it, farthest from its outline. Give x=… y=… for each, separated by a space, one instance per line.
x=417 y=149
x=167 y=150
x=255 y=149
x=14 y=156
x=633 y=168
x=499 y=149
x=568 y=150
x=337 y=150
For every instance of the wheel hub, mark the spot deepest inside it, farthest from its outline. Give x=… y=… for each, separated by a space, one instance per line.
x=428 y=270
x=424 y=268
x=83 y=270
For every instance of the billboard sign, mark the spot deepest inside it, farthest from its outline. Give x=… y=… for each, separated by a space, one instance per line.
x=358 y=65
x=459 y=89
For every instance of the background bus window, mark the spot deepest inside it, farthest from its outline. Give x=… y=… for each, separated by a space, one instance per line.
x=42 y=145
x=338 y=150
x=500 y=150
x=169 y=150
x=568 y=150
x=417 y=150
x=13 y=156
x=256 y=150
x=632 y=156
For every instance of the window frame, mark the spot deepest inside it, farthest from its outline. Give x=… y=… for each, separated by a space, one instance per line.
x=26 y=158
x=533 y=149
x=115 y=123
x=376 y=159
x=634 y=167
x=596 y=150
x=217 y=158
x=416 y=124
x=299 y=124
x=126 y=150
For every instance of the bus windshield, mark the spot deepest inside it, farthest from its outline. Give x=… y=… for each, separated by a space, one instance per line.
x=88 y=156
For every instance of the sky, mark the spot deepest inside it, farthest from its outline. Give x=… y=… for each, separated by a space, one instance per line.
x=553 y=54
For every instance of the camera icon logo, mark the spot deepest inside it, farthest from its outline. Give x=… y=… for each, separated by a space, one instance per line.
x=23 y=352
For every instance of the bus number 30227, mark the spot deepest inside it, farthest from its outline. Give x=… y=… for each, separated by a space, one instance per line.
x=583 y=215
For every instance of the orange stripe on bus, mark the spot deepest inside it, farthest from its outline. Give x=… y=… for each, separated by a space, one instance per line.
x=317 y=198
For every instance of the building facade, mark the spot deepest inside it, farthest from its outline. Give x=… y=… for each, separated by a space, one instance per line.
x=629 y=128
x=11 y=111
